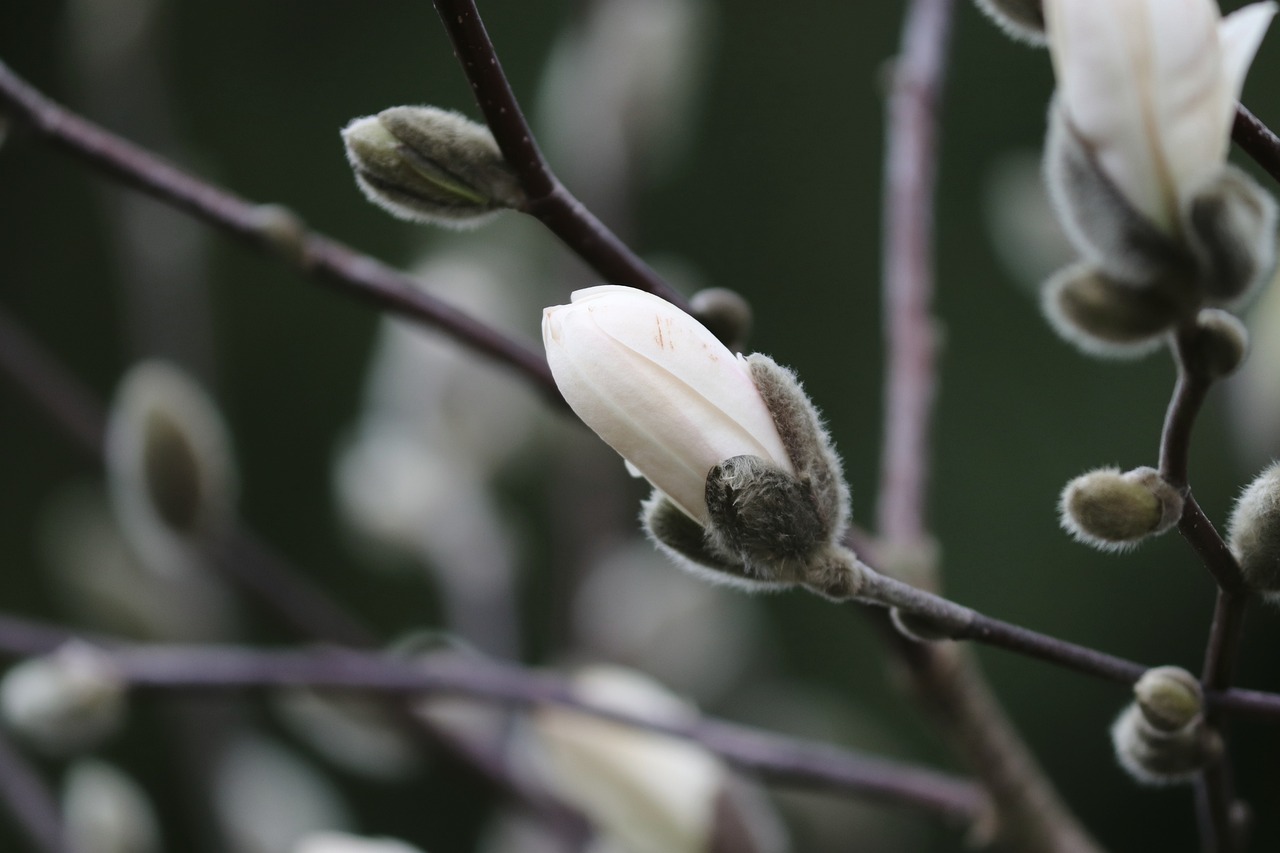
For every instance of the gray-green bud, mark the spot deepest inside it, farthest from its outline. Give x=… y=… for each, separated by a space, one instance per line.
x=1169 y=697
x=1114 y=511
x=1021 y=19
x=725 y=313
x=1253 y=533
x=1231 y=228
x=1161 y=738
x=1108 y=318
x=1220 y=343
x=426 y=164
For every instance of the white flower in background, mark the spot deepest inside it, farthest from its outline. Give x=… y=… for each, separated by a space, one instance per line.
x=105 y=811
x=654 y=794
x=1150 y=87
x=341 y=842
x=64 y=702
x=658 y=388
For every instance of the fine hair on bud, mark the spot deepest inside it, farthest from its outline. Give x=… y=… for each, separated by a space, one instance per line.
x=1021 y=19
x=1231 y=228
x=725 y=313
x=1106 y=318
x=427 y=164
x=1253 y=533
x=1220 y=343
x=1113 y=510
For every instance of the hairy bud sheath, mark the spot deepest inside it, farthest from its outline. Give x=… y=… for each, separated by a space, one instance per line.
x=425 y=164
x=746 y=482
x=1114 y=511
x=1253 y=533
x=1161 y=738
x=1021 y=19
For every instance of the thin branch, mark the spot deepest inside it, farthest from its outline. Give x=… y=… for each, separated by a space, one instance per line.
x=28 y=799
x=1257 y=140
x=1189 y=392
x=266 y=228
x=549 y=201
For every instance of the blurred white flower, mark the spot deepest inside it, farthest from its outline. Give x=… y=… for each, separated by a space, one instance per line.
x=659 y=389
x=66 y=701
x=267 y=798
x=654 y=794
x=105 y=811
x=341 y=842
x=1150 y=87
x=355 y=733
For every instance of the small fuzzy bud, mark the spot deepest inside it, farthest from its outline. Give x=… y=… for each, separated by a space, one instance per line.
x=65 y=702
x=1107 y=318
x=1169 y=697
x=725 y=313
x=1220 y=344
x=1021 y=19
x=1113 y=511
x=425 y=164
x=1253 y=533
x=1231 y=227
x=106 y=812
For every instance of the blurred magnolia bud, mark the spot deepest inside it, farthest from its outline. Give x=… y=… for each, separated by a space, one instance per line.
x=656 y=794
x=1114 y=511
x=1220 y=344
x=1231 y=228
x=104 y=811
x=1161 y=738
x=1022 y=19
x=267 y=799
x=354 y=733
x=725 y=313
x=1107 y=318
x=341 y=842
x=1160 y=135
x=169 y=465
x=1253 y=532
x=707 y=429
x=1169 y=697
x=64 y=702
x=431 y=165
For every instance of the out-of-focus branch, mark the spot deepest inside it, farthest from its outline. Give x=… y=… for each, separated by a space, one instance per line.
x=265 y=227
x=549 y=200
x=28 y=799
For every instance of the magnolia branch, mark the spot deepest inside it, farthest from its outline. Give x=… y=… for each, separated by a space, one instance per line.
x=268 y=228
x=30 y=802
x=549 y=200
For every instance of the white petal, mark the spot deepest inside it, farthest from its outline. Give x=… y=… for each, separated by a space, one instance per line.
x=1240 y=33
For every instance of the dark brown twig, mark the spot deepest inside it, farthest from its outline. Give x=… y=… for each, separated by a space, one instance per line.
x=269 y=229
x=549 y=201
x=1257 y=140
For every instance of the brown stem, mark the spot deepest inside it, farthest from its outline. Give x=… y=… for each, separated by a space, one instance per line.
x=269 y=229
x=549 y=201
x=1257 y=140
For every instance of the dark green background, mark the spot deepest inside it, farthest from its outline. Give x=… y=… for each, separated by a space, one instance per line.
x=780 y=199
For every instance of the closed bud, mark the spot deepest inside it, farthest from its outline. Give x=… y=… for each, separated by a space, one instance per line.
x=106 y=812
x=1231 y=227
x=282 y=230
x=341 y=842
x=1107 y=318
x=1253 y=533
x=1220 y=343
x=1169 y=697
x=747 y=482
x=431 y=165
x=65 y=702
x=1022 y=19
x=1114 y=511
x=725 y=314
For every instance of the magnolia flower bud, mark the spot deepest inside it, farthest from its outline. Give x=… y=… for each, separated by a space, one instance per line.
x=1161 y=738
x=1231 y=228
x=106 y=812
x=1253 y=533
x=431 y=165
x=1114 y=511
x=1022 y=19
x=747 y=482
x=64 y=702
x=1220 y=343
x=341 y=842
x=1107 y=318
x=1151 y=90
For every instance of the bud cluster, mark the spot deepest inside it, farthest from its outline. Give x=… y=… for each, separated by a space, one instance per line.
x=1161 y=738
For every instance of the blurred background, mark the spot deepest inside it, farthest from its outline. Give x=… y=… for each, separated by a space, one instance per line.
x=428 y=491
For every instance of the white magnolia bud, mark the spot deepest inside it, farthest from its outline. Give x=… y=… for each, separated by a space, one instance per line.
x=656 y=794
x=341 y=842
x=1151 y=87
x=659 y=388
x=106 y=812
x=1253 y=533
x=64 y=702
